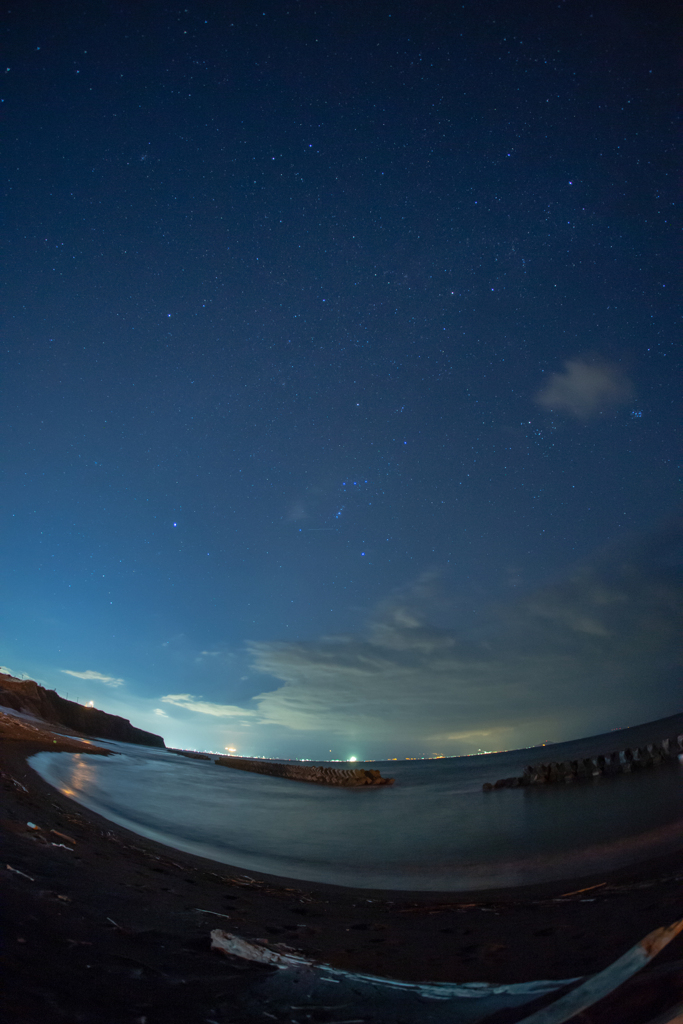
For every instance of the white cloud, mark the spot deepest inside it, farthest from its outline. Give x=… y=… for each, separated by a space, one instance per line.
x=95 y=677
x=15 y=675
x=205 y=707
x=159 y=711
x=396 y=682
x=586 y=388
x=586 y=655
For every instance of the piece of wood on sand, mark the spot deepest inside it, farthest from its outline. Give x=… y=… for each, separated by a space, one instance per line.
x=600 y=985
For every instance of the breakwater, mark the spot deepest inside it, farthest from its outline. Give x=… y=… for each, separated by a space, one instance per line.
x=433 y=830
x=615 y=763
x=350 y=777
x=194 y=754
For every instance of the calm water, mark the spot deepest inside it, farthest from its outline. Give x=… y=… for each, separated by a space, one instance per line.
x=433 y=830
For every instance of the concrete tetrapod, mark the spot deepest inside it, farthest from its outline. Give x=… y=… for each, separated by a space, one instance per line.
x=618 y=761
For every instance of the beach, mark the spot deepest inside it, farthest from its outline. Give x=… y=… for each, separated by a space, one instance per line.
x=100 y=924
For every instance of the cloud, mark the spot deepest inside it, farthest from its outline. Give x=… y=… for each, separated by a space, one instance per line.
x=96 y=677
x=204 y=707
x=15 y=675
x=397 y=683
x=159 y=711
x=594 y=652
x=296 y=512
x=585 y=389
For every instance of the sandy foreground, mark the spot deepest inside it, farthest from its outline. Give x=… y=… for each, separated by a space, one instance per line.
x=101 y=925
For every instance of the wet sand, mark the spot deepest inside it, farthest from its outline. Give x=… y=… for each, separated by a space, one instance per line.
x=112 y=927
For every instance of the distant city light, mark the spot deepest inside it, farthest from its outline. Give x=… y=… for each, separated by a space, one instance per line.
x=231 y=750
x=352 y=759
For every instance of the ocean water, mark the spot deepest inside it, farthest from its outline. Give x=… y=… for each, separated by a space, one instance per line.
x=434 y=830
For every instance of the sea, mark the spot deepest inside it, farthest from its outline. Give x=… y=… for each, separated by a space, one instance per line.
x=434 y=830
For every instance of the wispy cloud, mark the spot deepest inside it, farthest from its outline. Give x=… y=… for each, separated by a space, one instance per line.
x=557 y=663
x=15 y=675
x=95 y=677
x=161 y=712
x=296 y=512
x=585 y=389
x=204 y=707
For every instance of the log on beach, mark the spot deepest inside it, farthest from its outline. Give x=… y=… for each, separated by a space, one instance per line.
x=323 y=776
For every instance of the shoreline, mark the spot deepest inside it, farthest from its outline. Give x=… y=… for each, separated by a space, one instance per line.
x=112 y=894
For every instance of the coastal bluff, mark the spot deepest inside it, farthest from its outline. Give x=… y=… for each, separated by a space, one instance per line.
x=349 y=777
x=28 y=696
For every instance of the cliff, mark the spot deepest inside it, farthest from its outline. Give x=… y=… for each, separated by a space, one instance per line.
x=26 y=695
x=14 y=728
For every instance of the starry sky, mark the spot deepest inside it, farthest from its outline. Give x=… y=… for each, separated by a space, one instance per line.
x=339 y=396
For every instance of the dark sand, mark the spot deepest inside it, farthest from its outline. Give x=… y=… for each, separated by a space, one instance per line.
x=115 y=927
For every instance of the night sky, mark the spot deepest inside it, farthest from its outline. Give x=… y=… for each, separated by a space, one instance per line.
x=339 y=395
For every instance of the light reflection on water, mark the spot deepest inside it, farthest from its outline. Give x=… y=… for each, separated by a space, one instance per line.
x=434 y=830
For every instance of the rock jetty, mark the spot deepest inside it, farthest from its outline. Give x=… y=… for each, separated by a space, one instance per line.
x=350 y=777
x=194 y=754
x=615 y=763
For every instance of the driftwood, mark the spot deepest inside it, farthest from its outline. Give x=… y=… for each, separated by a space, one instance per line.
x=614 y=763
x=350 y=777
x=600 y=985
x=588 y=992
x=286 y=958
